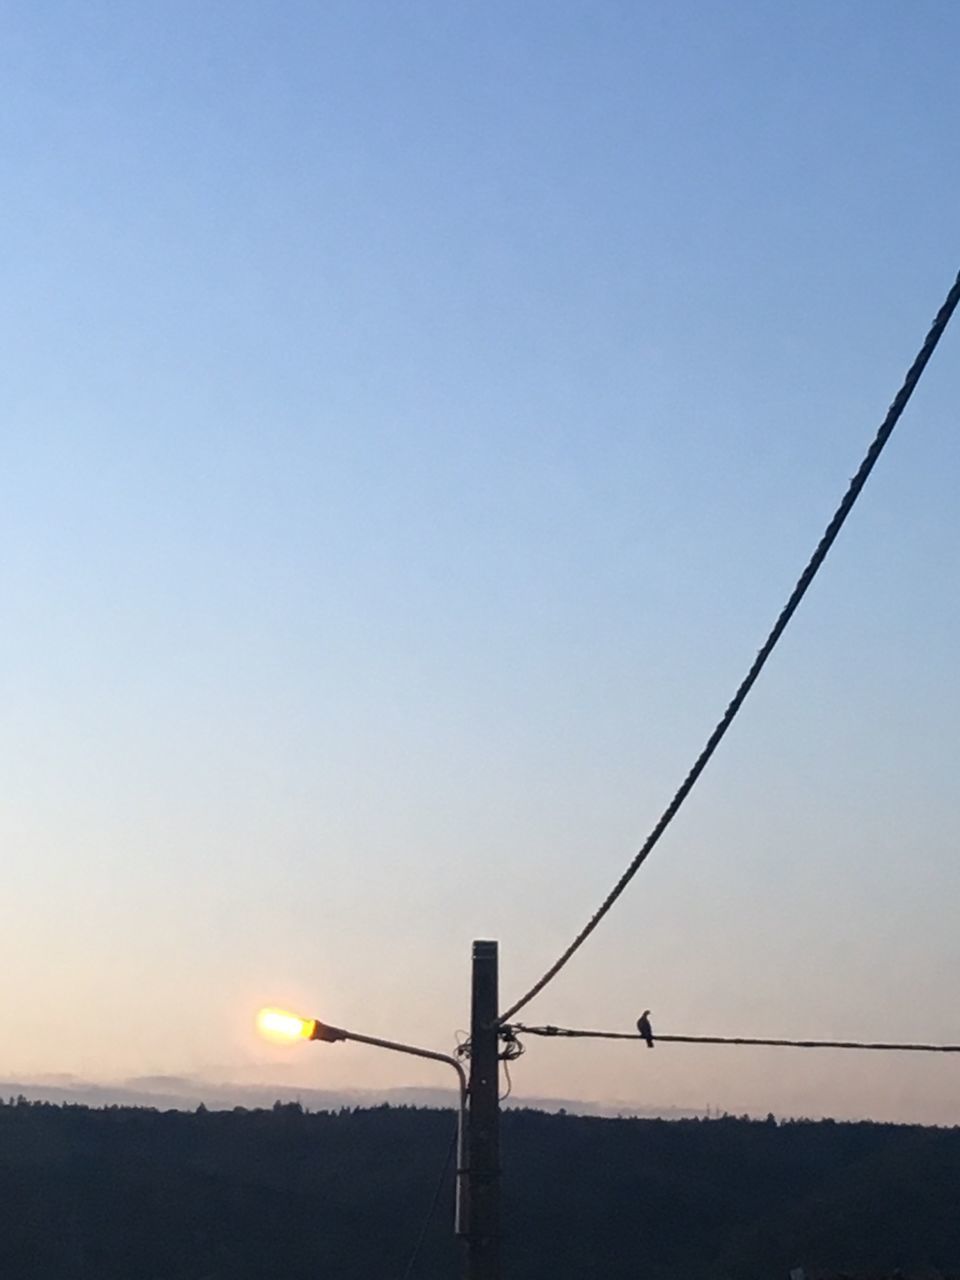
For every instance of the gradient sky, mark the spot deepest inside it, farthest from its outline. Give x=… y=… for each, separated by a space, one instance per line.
x=415 y=415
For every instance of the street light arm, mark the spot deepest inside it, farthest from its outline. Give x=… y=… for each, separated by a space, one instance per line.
x=322 y=1031
x=331 y=1035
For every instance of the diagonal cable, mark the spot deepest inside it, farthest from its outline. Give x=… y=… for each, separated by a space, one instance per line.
x=799 y=591
x=409 y=1269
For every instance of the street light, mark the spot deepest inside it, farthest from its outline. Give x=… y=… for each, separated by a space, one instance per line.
x=478 y=1119
x=279 y=1025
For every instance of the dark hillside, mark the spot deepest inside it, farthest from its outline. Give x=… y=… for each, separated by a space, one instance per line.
x=133 y=1194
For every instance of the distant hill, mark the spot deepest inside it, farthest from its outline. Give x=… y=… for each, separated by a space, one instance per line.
x=185 y=1093
x=134 y=1194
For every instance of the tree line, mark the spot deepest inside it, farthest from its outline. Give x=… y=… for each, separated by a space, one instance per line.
x=122 y=1192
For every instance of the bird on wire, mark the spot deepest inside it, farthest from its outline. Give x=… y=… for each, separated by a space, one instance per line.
x=644 y=1027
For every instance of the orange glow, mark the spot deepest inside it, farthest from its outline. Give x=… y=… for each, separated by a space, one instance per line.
x=278 y=1025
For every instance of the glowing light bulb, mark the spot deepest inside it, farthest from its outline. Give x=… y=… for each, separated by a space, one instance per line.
x=277 y=1024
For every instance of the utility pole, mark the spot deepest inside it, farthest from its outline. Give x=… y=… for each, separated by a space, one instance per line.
x=483 y=1120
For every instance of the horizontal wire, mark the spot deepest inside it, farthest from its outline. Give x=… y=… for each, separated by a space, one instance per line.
x=881 y=1046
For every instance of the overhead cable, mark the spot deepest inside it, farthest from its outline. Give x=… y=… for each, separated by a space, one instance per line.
x=573 y=1034
x=799 y=591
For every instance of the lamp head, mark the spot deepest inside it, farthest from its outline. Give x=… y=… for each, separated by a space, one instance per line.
x=283 y=1027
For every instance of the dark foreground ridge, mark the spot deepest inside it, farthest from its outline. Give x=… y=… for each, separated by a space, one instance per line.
x=125 y=1193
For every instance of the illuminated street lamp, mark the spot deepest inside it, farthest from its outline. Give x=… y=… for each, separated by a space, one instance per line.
x=478 y=1119
x=278 y=1025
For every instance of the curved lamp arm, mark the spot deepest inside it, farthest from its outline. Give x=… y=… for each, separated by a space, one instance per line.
x=330 y=1035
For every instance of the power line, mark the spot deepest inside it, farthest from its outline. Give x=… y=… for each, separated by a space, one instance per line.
x=412 y=1262
x=571 y=1034
x=506 y=1071
x=799 y=591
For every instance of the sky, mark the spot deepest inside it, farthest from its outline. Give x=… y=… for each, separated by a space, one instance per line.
x=415 y=416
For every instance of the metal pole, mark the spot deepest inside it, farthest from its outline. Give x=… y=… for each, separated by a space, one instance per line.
x=483 y=1120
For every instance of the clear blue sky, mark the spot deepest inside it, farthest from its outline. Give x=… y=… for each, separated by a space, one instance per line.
x=415 y=416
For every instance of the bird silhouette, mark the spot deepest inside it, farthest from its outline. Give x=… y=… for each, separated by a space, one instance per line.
x=644 y=1027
